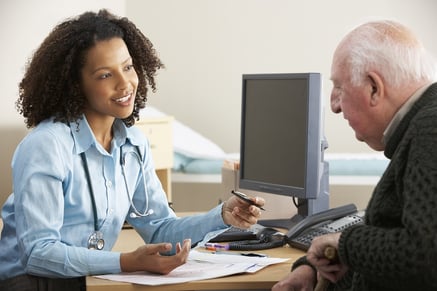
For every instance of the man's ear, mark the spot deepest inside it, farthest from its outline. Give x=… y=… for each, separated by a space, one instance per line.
x=376 y=86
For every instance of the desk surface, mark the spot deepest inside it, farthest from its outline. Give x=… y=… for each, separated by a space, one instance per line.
x=263 y=279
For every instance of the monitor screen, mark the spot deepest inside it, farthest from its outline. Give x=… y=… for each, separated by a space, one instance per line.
x=282 y=140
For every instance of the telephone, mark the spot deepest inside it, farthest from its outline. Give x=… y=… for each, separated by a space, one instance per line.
x=333 y=220
x=299 y=236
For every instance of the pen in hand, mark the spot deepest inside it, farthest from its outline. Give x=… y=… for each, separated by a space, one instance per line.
x=246 y=199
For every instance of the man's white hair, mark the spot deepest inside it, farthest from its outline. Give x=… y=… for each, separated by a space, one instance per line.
x=390 y=49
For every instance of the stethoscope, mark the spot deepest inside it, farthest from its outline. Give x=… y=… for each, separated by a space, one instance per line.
x=137 y=155
x=95 y=240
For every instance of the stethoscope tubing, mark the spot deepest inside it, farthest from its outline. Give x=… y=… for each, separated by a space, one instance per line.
x=136 y=213
x=137 y=155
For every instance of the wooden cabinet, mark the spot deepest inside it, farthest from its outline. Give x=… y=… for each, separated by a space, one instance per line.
x=159 y=131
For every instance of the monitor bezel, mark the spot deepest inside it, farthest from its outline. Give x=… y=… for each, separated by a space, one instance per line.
x=314 y=139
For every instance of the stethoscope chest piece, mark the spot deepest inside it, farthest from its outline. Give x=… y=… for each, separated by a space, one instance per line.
x=96 y=241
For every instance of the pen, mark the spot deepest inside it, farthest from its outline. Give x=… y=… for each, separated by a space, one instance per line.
x=253 y=255
x=216 y=247
x=246 y=198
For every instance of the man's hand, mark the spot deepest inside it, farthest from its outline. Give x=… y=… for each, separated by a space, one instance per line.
x=331 y=270
x=302 y=278
x=148 y=258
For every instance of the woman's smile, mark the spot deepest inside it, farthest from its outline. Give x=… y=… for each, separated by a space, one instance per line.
x=125 y=100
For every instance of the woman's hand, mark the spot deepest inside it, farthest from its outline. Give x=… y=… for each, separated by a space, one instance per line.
x=148 y=258
x=303 y=278
x=241 y=214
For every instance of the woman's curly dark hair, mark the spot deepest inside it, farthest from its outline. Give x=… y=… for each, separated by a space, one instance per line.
x=51 y=84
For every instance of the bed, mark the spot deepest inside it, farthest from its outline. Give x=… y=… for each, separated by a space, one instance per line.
x=344 y=168
x=198 y=162
x=352 y=179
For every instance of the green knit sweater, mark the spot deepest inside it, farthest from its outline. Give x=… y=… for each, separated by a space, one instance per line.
x=396 y=248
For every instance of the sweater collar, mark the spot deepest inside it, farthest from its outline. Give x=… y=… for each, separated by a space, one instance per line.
x=402 y=112
x=427 y=97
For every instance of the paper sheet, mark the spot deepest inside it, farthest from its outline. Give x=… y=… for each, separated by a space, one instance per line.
x=200 y=266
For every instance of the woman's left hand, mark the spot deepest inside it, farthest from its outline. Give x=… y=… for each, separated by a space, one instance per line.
x=241 y=214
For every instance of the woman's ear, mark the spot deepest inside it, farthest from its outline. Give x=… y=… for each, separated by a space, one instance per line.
x=376 y=87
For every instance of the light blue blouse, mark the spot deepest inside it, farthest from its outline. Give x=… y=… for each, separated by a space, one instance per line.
x=49 y=217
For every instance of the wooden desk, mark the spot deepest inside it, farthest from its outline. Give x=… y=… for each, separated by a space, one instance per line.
x=261 y=280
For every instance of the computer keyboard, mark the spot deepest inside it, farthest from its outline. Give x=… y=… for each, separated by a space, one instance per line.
x=257 y=237
x=237 y=234
x=234 y=234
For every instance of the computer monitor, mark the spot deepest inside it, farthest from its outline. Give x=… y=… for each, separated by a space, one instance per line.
x=282 y=141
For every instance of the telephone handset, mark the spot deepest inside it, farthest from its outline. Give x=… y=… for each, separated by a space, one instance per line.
x=329 y=221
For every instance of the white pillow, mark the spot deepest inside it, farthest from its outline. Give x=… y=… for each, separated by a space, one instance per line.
x=186 y=141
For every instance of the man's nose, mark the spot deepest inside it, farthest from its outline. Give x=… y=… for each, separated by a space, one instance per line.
x=335 y=104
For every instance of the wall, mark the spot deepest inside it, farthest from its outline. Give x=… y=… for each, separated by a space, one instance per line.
x=23 y=26
x=208 y=44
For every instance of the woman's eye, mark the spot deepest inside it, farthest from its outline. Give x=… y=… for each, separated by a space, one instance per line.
x=104 y=76
x=129 y=67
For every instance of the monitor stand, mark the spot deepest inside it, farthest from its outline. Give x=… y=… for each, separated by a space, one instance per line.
x=285 y=223
x=305 y=207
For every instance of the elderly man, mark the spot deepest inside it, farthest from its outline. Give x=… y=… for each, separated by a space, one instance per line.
x=383 y=82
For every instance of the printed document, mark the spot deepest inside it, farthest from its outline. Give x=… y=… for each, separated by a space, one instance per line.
x=200 y=266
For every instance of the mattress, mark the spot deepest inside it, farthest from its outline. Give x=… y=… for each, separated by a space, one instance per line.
x=344 y=168
x=340 y=164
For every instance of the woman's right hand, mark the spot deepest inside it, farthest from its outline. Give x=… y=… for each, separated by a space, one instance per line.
x=149 y=258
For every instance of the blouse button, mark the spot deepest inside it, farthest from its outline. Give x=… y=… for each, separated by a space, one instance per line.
x=108 y=184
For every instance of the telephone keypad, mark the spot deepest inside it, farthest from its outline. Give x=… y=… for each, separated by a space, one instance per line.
x=303 y=241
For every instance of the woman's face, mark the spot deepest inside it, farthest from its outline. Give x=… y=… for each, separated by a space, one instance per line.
x=109 y=80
